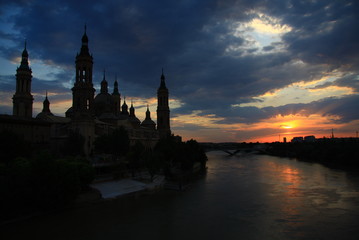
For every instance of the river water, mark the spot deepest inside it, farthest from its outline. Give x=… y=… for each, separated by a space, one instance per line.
x=241 y=197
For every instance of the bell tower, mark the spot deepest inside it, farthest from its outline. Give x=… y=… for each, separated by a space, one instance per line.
x=116 y=98
x=163 y=110
x=83 y=91
x=22 y=99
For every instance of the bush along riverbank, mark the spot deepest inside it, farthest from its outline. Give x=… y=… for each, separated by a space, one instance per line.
x=41 y=183
x=332 y=153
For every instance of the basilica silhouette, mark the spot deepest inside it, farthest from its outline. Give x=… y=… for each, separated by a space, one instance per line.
x=90 y=115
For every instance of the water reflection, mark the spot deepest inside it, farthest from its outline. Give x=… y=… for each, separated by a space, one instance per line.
x=299 y=199
x=244 y=197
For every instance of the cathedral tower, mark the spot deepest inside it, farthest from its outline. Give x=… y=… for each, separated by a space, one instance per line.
x=163 y=110
x=116 y=98
x=83 y=91
x=22 y=99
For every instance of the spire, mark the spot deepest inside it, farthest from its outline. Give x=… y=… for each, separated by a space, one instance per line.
x=46 y=105
x=25 y=50
x=148 y=123
x=132 y=110
x=84 y=37
x=104 y=85
x=84 y=47
x=124 y=107
x=163 y=83
x=24 y=58
x=148 y=113
x=115 y=87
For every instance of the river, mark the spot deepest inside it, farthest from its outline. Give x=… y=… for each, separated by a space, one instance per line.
x=241 y=197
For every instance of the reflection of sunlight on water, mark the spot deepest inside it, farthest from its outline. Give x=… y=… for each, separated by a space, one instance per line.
x=286 y=181
x=289 y=198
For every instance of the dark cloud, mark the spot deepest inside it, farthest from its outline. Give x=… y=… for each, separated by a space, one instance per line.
x=7 y=83
x=325 y=32
x=192 y=41
x=344 y=107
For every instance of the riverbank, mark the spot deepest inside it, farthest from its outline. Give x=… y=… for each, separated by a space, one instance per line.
x=342 y=155
x=102 y=191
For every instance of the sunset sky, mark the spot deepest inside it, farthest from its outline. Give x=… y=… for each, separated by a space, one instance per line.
x=238 y=71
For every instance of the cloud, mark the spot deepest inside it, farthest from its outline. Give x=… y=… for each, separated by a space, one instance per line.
x=209 y=62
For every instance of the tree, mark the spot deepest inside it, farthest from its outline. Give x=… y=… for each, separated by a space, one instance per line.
x=74 y=144
x=12 y=146
x=178 y=158
x=116 y=143
x=196 y=152
x=120 y=142
x=135 y=157
x=152 y=162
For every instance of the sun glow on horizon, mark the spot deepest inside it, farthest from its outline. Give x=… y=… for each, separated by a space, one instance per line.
x=273 y=129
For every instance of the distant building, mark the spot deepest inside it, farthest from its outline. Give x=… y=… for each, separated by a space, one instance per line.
x=309 y=138
x=297 y=140
x=89 y=115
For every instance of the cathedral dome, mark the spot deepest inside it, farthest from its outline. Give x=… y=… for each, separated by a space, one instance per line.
x=103 y=103
x=104 y=98
x=46 y=109
x=70 y=112
x=148 y=122
x=134 y=120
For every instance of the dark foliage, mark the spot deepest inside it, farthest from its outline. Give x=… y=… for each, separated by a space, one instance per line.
x=12 y=146
x=179 y=158
x=74 y=144
x=135 y=157
x=335 y=153
x=41 y=183
x=116 y=143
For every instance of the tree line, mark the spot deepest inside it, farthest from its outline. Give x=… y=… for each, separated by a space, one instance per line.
x=168 y=154
x=335 y=153
x=35 y=179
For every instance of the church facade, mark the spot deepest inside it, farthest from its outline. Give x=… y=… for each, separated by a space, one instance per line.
x=90 y=115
